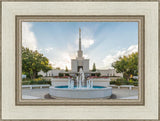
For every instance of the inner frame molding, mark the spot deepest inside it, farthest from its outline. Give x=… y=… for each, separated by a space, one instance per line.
x=78 y=18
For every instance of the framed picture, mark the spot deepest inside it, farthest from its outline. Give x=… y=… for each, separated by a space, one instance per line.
x=93 y=84
x=79 y=60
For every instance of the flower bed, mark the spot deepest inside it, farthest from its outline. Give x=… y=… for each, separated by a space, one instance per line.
x=92 y=77
x=62 y=76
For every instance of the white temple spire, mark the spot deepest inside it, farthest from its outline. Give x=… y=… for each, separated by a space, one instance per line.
x=79 y=38
x=80 y=52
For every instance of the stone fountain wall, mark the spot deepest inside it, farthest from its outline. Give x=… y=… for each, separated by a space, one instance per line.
x=97 y=81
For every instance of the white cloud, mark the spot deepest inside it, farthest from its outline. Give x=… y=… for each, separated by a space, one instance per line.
x=71 y=50
x=60 y=57
x=28 y=38
x=62 y=61
x=86 y=43
x=109 y=59
x=45 y=50
x=85 y=56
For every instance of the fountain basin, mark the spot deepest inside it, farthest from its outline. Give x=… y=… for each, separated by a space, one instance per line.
x=83 y=92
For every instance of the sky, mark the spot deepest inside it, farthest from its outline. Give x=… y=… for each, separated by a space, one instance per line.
x=102 y=42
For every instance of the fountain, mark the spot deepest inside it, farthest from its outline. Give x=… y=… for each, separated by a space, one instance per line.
x=79 y=89
x=80 y=86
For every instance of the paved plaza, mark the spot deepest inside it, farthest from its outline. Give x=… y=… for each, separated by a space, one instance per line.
x=122 y=93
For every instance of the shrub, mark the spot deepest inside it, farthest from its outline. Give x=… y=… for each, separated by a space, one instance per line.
x=40 y=82
x=24 y=79
x=27 y=79
x=25 y=82
x=98 y=74
x=131 y=81
x=36 y=81
x=118 y=82
x=93 y=75
x=113 y=82
x=39 y=76
x=135 y=83
x=60 y=75
x=66 y=74
x=123 y=81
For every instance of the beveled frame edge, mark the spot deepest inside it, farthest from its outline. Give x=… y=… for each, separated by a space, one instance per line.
x=75 y=119
x=158 y=59
x=79 y=0
x=0 y=60
x=74 y=102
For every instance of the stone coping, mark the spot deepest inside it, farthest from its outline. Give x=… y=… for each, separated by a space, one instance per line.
x=82 y=89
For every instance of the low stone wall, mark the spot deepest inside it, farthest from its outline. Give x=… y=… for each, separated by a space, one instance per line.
x=101 y=82
x=59 y=81
x=96 y=81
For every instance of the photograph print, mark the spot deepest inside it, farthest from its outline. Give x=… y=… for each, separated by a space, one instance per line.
x=80 y=60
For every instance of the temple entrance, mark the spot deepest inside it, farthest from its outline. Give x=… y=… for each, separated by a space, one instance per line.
x=79 y=68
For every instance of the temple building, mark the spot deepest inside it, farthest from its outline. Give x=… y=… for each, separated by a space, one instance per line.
x=80 y=61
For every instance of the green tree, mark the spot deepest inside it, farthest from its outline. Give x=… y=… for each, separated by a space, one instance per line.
x=94 y=67
x=66 y=69
x=47 y=68
x=33 y=62
x=58 y=68
x=128 y=65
